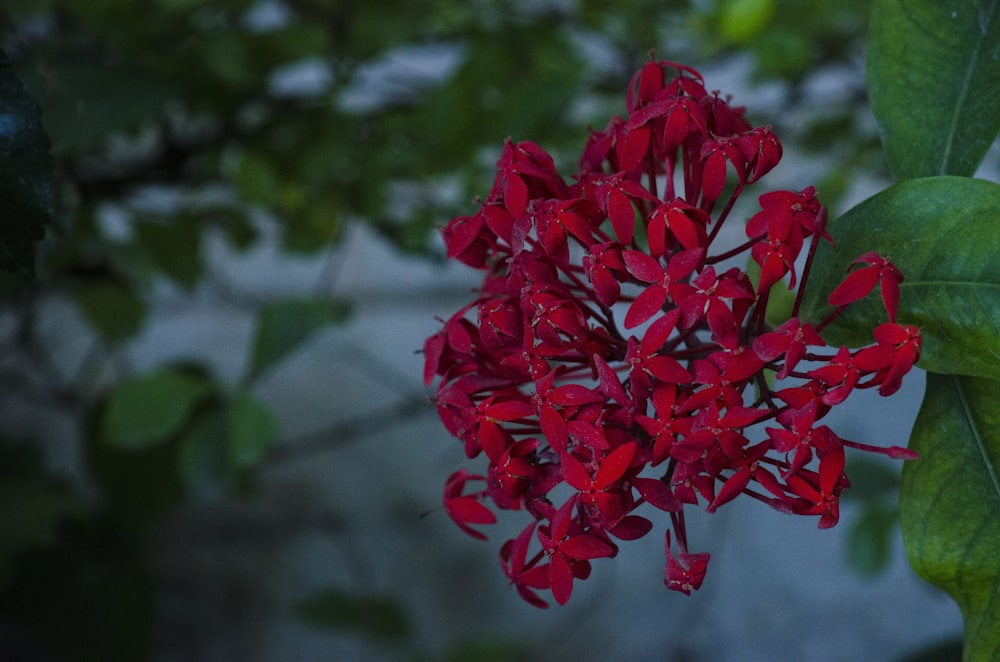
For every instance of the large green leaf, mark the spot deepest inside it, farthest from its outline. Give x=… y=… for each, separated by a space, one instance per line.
x=942 y=233
x=950 y=502
x=934 y=82
x=26 y=174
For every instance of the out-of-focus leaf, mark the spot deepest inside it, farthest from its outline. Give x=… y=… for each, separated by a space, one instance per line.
x=284 y=325
x=26 y=175
x=149 y=409
x=743 y=20
x=226 y=55
x=942 y=233
x=869 y=539
x=86 y=102
x=252 y=430
x=380 y=618
x=203 y=460
x=174 y=245
x=256 y=179
x=950 y=502
x=934 y=83
x=224 y=441
x=113 y=309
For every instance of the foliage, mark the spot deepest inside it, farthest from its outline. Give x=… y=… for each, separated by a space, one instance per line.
x=939 y=224
x=177 y=133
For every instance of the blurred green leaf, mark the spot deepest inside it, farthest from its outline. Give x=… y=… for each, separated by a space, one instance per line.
x=26 y=175
x=225 y=54
x=256 y=179
x=173 y=244
x=934 y=83
x=252 y=430
x=380 y=618
x=742 y=21
x=284 y=325
x=950 y=502
x=149 y=409
x=869 y=539
x=223 y=441
x=114 y=310
x=203 y=459
x=942 y=233
x=87 y=102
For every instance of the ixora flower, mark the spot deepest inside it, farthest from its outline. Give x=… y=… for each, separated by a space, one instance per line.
x=590 y=426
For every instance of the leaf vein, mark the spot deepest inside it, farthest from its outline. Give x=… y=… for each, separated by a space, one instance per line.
x=977 y=436
x=965 y=89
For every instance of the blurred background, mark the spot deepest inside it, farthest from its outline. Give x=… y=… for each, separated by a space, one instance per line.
x=214 y=440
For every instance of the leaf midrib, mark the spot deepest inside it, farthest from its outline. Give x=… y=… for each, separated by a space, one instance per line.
x=976 y=435
x=964 y=92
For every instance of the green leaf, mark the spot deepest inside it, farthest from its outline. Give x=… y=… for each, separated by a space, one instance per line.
x=173 y=243
x=285 y=324
x=942 y=233
x=149 y=409
x=252 y=430
x=26 y=175
x=256 y=179
x=203 y=460
x=869 y=539
x=223 y=442
x=950 y=502
x=378 y=617
x=114 y=310
x=934 y=81
x=742 y=21
x=88 y=100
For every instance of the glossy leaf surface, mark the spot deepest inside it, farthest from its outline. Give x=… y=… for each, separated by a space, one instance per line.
x=950 y=502
x=934 y=82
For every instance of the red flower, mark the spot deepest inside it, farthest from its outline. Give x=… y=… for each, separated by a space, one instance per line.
x=861 y=281
x=524 y=576
x=466 y=509
x=677 y=404
x=819 y=492
x=684 y=572
x=569 y=550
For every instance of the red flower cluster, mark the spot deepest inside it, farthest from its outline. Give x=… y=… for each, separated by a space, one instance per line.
x=584 y=420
